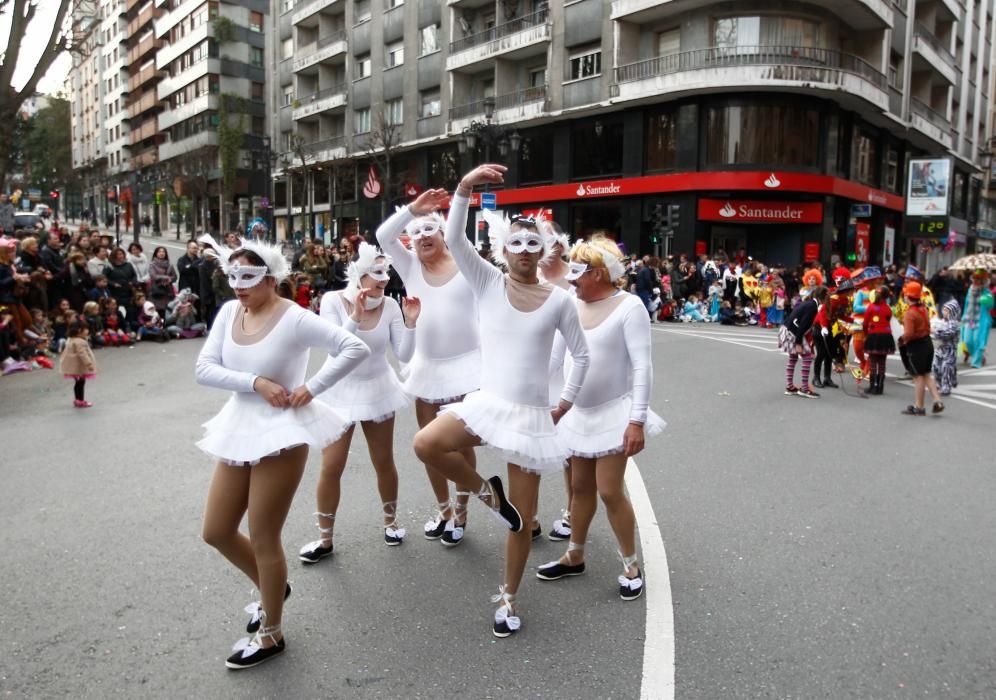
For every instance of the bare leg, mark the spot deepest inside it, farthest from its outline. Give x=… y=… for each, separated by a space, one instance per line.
x=609 y=473
x=228 y=499
x=442 y=444
x=522 y=490
x=425 y=413
x=920 y=386
x=328 y=492
x=584 y=507
x=380 y=442
x=931 y=384
x=271 y=489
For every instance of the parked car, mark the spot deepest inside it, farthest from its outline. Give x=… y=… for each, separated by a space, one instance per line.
x=28 y=221
x=43 y=210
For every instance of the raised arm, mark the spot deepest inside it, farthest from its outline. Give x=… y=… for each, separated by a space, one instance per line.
x=389 y=238
x=636 y=333
x=345 y=350
x=209 y=370
x=478 y=272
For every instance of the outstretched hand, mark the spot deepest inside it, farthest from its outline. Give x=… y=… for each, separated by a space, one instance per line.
x=429 y=201
x=411 y=307
x=487 y=174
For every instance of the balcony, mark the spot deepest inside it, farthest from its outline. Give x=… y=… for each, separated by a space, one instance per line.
x=168 y=86
x=169 y=53
x=148 y=129
x=859 y=14
x=150 y=43
x=521 y=37
x=325 y=48
x=143 y=103
x=144 y=76
x=513 y=107
x=307 y=106
x=172 y=149
x=308 y=11
x=200 y=104
x=930 y=123
x=928 y=53
x=802 y=69
x=329 y=149
x=143 y=18
x=145 y=159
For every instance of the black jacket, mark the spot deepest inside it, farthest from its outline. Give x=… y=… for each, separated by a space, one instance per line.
x=801 y=319
x=188 y=274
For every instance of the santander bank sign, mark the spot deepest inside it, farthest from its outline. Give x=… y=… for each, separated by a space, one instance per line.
x=760 y=211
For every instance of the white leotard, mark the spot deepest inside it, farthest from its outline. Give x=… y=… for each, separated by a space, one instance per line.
x=281 y=355
x=390 y=330
x=515 y=345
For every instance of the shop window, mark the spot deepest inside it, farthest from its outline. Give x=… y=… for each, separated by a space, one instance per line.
x=662 y=140
x=536 y=156
x=764 y=134
x=864 y=154
x=596 y=147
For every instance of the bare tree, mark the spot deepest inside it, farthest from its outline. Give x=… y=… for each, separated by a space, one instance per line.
x=383 y=147
x=75 y=21
x=299 y=148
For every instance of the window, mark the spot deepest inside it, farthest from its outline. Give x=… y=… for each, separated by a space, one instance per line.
x=536 y=156
x=428 y=39
x=394 y=3
x=537 y=77
x=258 y=126
x=662 y=140
x=256 y=22
x=394 y=111
x=766 y=134
x=864 y=153
x=596 y=147
x=257 y=92
x=430 y=103
x=395 y=54
x=287 y=48
x=362 y=123
x=362 y=11
x=891 y=169
x=586 y=65
x=669 y=42
x=745 y=34
x=288 y=94
x=256 y=56
x=362 y=67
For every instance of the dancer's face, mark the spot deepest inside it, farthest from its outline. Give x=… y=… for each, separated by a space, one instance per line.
x=375 y=288
x=526 y=260
x=258 y=295
x=430 y=248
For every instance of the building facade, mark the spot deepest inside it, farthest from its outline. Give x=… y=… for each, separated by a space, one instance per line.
x=784 y=128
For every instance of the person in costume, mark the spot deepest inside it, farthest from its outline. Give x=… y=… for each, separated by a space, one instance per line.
x=258 y=349
x=946 y=331
x=370 y=395
x=796 y=338
x=511 y=412
x=446 y=363
x=811 y=279
x=879 y=343
x=611 y=419
x=917 y=351
x=776 y=313
x=912 y=274
x=859 y=305
x=977 y=320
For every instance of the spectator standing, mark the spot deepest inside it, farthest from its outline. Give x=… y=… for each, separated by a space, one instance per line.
x=140 y=263
x=55 y=265
x=121 y=277
x=315 y=265
x=78 y=280
x=162 y=277
x=98 y=264
x=13 y=286
x=186 y=268
x=646 y=280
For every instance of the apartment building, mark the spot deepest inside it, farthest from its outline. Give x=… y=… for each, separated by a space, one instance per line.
x=98 y=89
x=672 y=124
x=213 y=62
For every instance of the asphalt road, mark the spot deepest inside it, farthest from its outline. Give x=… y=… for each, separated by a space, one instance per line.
x=829 y=548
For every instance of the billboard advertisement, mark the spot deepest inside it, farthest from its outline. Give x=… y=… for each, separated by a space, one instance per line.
x=928 y=187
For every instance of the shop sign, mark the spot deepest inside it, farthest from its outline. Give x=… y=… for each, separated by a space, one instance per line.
x=810 y=252
x=700 y=248
x=927 y=189
x=861 y=211
x=862 y=242
x=760 y=211
x=986 y=233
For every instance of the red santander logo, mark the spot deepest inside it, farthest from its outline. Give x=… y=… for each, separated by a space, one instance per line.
x=760 y=211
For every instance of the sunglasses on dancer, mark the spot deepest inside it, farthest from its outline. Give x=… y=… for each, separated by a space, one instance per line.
x=245 y=276
x=524 y=242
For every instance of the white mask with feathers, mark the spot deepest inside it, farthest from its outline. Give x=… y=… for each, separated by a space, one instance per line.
x=370 y=261
x=500 y=232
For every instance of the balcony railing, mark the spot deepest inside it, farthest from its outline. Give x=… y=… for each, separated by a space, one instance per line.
x=737 y=56
x=502 y=30
x=316 y=147
x=923 y=110
x=514 y=99
x=467 y=110
x=315 y=96
x=933 y=42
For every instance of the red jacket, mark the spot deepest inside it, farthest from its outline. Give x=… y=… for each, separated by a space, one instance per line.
x=877 y=317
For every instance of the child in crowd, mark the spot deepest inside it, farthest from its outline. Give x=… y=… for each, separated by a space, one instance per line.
x=115 y=328
x=77 y=361
x=61 y=319
x=95 y=322
x=765 y=300
x=692 y=310
x=776 y=314
x=303 y=292
x=727 y=316
x=946 y=332
x=39 y=333
x=100 y=290
x=715 y=298
x=741 y=315
x=11 y=355
x=181 y=316
x=133 y=311
x=150 y=324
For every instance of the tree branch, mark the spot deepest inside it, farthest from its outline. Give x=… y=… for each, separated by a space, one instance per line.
x=53 y=48
x=19 y=21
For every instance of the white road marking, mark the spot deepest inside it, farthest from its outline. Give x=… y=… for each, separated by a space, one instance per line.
x=658 y=647
x=694 y=334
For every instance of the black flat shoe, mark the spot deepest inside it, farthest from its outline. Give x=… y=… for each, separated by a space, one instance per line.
x=504 y=509
x=554 y=570
x=818 y=384
x=829 y=384
x=255 y=609
x=631 y=588
x=250 y=652
x=314 y=552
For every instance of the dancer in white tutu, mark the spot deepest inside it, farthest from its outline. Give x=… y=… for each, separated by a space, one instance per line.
x=611 y=418
x=511 y=412
x=553 y=269
x=258 y=349
x=447 y=360
x=370 y=395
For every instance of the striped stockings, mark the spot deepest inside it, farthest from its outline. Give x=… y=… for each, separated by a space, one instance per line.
x=807 y=365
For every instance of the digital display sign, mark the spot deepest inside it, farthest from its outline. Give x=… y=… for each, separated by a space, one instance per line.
x=926 y=226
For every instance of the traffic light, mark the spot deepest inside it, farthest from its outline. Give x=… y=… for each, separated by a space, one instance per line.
x=673 y=216
x=53 y=194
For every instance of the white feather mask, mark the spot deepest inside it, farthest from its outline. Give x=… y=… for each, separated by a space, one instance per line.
x=500 y=229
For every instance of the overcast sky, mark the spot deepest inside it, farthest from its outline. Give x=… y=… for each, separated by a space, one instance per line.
x=32 y=47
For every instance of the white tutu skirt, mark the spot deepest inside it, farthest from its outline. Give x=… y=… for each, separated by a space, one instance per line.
x=374 y=398
x=523 y=435
x=247 y=429
x=443 y=381
x=598 y=431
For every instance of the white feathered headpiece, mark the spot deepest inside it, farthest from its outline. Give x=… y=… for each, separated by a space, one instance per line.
x=272 y=256
x=366 y=263
x=413 y=226
x=212 y=249
x=560 y=236
x=500 y=228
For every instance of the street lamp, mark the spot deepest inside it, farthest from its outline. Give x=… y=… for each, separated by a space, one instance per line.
x=490 y=134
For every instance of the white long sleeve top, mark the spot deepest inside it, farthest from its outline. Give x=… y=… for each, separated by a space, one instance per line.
x=620 y=356
x=516 y=345
x=389 y=331
x=448 y=324
x=281 y=355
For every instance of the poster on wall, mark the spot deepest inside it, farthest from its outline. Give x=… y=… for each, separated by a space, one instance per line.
x=862 y=238
x=928 y=187
x=889 y=246
x=811 y=252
